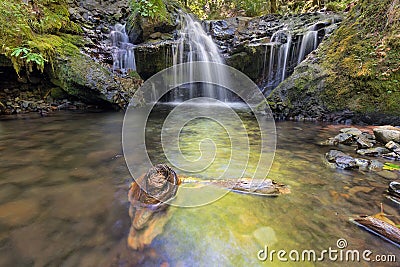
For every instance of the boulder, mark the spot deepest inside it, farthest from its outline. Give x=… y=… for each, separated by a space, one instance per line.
x=363 y=142
x=352 y=131
x=386 y=134
x=82 y=77
x=341 y=160
x=393 y=146
x=344 y=138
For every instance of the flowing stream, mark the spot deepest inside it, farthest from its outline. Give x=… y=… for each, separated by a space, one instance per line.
x=63 y=198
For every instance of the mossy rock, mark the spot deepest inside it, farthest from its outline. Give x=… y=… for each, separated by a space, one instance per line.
x=82 y=77
x=356 y=69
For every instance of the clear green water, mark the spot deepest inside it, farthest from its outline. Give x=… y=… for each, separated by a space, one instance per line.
x=64 y=182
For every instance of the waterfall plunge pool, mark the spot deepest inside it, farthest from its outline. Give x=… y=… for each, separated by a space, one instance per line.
x=63 y=199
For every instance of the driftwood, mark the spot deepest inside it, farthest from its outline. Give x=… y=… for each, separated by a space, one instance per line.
x=381 y=226
x=149 y=193
x=148 y=210
x=257 y=187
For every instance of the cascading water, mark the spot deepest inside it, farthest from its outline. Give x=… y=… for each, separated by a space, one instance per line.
x=279 y=55
x=122 y=50
x=309 y=43
x=193 y=45
x=285 y=53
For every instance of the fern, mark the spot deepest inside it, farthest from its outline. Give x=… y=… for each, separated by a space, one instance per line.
x=27 y=58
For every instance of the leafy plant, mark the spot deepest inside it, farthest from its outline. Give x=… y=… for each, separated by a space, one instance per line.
x=28 y=58
x=28 y=30
x=154 y=9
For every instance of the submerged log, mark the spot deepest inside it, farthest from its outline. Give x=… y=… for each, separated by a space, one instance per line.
x=148 y=196
x=148 y=210
x=258 y=187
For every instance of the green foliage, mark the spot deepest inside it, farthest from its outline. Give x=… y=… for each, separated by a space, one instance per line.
x=206 y=9
x=153 y=9
x=26 y=30
x=28 y=59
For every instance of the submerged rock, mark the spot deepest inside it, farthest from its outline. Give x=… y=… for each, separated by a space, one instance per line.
x=265 y=236
x=387 y=174
x=20 y=212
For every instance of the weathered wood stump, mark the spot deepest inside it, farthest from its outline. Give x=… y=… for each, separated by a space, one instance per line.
x=148 y=196
x=148 y=210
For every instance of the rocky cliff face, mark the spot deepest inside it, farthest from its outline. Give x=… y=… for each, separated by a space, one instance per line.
x=79 y=63
x=354 y=74
x=243 y=41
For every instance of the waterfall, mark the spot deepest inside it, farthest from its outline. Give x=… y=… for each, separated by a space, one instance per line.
x=123 y=53
x=279 y=57
x=194 y=44
x=285 y=53
x=285 y=39
x=309 y=43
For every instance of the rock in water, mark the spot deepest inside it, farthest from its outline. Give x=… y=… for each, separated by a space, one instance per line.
x=341 y=160
x=344 y=138
x=352 y=131
x=395 y=147
x=363 y=142
x=148 y=209
x=394 y=189
x=385 y=134
x=373 y=152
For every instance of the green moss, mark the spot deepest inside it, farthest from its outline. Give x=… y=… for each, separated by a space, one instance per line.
x=363 y=60
x=35 y=26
